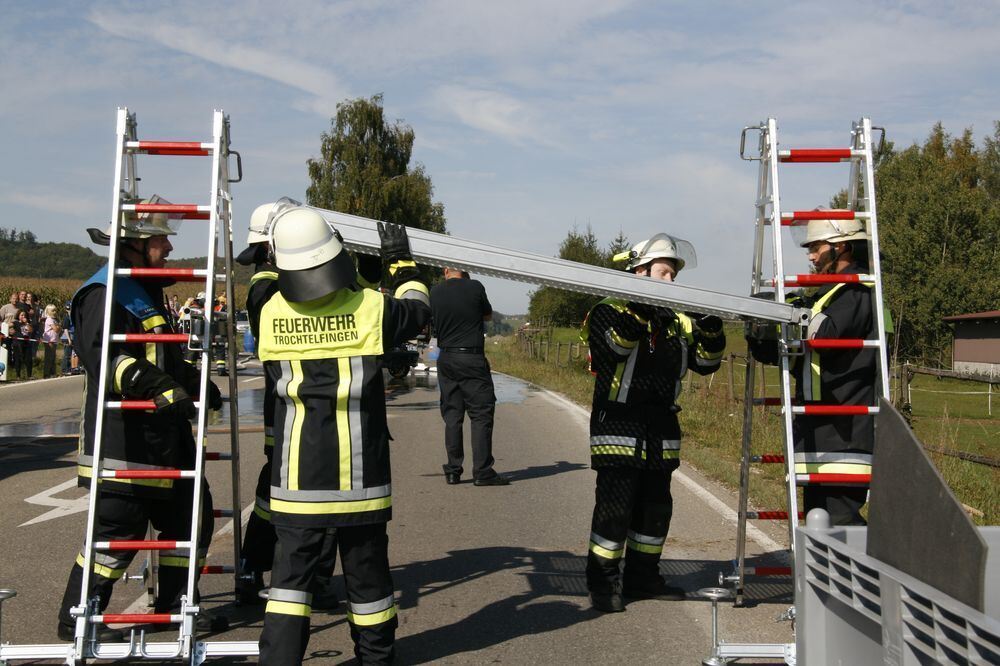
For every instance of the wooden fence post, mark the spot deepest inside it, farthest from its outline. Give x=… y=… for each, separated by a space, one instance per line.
x=732 y=376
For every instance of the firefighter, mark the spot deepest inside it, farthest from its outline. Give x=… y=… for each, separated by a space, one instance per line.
x=259 y=540
x=832 y=444
x=639 y=355
x=321 y=335
x=137 y=439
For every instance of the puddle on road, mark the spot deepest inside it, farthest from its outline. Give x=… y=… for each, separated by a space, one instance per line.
x=508 y=389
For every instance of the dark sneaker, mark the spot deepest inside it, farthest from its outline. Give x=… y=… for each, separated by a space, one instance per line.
x=492 y=481
x=105 y=634
x=452 y=478
x=324 y=596
x=654 y=589
x=607 y=602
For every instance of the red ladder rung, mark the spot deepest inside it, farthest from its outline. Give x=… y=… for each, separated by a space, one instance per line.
x=188 y=211
x=133 y=405
x=770 y=515
x=140 y=544
x=222 y=513
x=189 y=148
x=147 y=474
x=768 y=458
x=840 y=343
x=834 y=410
x=823 y=278
x=767 y=571
x=215 y=455
x=137 y=618
x=788 y=219
x=218 y=569
x=176 y=274
x=836 y=479
x=803 y=155
x=151 y=337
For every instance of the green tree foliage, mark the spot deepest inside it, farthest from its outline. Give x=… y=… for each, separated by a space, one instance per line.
x=21 y=254
x=364 y=169
x=565 y=308
x=939 y=226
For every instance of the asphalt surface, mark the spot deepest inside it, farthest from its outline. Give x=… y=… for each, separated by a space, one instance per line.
x=483 y=575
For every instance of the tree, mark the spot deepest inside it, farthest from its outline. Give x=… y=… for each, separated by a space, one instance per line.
x=364 y=169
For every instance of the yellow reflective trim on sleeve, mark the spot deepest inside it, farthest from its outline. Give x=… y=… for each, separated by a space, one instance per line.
x=832 y=468
x=152 y=322
x=612 y=450
x=620 y=341
x=371 y=619
x=707 y=355
x=343 y=421
x=84 y=471
x=319 y=508
x=605 y=553
x=119 y=371
x=412 y=285
x=643 y=547
x=151 y=352
x=102 y=570
x=296 y=433
x=288 y=608
x=616 y=382
x=263 y=275
x=396 y=265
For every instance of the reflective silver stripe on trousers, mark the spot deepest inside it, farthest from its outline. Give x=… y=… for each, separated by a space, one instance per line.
x=605 y=543
x=281 y=391
x=356 y=494
x=671 y=445
x=827 y=457
x=373 y=607
x=293 y=596
x=648 y=540
x=112 y=561
x=354 y=422
x=613 y=440
x=626 y=380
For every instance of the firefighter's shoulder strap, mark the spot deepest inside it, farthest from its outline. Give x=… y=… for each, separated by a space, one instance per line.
x=130 y=295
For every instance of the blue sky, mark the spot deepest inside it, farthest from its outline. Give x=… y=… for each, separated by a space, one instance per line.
x=531 y=117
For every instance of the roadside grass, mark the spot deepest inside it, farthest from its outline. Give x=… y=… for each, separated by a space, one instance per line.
x=712 y=420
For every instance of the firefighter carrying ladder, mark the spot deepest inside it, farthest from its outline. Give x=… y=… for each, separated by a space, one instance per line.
x=792 y=341
x=219 y=214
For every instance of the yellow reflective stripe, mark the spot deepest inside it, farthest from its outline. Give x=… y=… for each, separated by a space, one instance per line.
x=343 y=422
x=119 y=371
x=643 y=547
x=84 y=471
x=263 y=275
x=687 y=326
x=296 y=431
x=832 y=468
x=261 y=513
x=620 y=341
x=288 y=608
x=671 y=454
x=412 y=285
x=151 y=352
x=181 y=562
x=396 y=265
x=152 y=322
x=616 y=382
x=168 y=395
x=371 y=619
x=813 y=388
x=268 y=440
x=612 y=450
x=102 y=570
x=707 y=355
x=316 y=508
x=347 y=324
x=600 y=551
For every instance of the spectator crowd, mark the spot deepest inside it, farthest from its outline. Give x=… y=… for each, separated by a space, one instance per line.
x=26 y=325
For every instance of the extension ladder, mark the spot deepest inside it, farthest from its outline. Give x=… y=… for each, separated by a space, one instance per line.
x=218 y=212
x=792 y=341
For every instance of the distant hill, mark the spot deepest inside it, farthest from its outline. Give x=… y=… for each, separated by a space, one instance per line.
x=21 y=254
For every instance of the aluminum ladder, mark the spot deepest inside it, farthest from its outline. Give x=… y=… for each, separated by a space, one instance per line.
x=218 y=212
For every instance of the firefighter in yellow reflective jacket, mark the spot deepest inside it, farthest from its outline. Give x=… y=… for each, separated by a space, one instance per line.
x=832 y=444
x=321 y=335
x=639 y=355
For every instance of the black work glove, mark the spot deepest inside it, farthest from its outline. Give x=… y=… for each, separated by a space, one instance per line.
x=175 y=403
x=214 y=396
x=709 y=324
x=395 y=243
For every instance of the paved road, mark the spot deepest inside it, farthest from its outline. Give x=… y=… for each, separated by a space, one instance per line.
x=482 y=574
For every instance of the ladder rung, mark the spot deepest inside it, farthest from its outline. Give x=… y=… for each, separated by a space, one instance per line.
x=803 y=155
x=176 y=274
x=768 y=458
x=821 y=278
x=215 y=455
x=222 y=513
x=188 y=211
x=147 y=474
x=834 y=410
x=150 y=337
x=135 y=404
x=790 y=219
x=192 y=148
x=767 y=571
x=837 y=343
x=769 y=515
x=218 y=569
x=137 y=618
x=143 y=544
x=837 y=479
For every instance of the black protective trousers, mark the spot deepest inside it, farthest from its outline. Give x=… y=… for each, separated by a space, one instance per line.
x=467 y=387
x=122 y=517
x=371 y=607
x=632 y=505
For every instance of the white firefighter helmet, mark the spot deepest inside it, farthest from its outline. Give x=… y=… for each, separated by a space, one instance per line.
x=829 y=230
x=660 y=246
x=260 y=221
x=141 y=225
x=310 y=255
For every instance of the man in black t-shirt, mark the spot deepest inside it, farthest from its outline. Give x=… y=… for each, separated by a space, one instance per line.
x=459 y=307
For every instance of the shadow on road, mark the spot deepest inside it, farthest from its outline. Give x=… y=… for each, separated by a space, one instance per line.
x=19 y=454
x=541 y=471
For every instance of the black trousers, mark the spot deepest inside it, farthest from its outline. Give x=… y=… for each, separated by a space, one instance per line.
x=843 y=503
x=371 y=606
x=467 y=387
x=632 y=511
x=128 y=518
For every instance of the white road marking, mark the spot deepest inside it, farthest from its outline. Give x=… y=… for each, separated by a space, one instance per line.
x=251 y=379
x=244 y=517
x=64 y=507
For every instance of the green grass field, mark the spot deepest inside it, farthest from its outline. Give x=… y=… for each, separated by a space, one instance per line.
x=945 y=415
